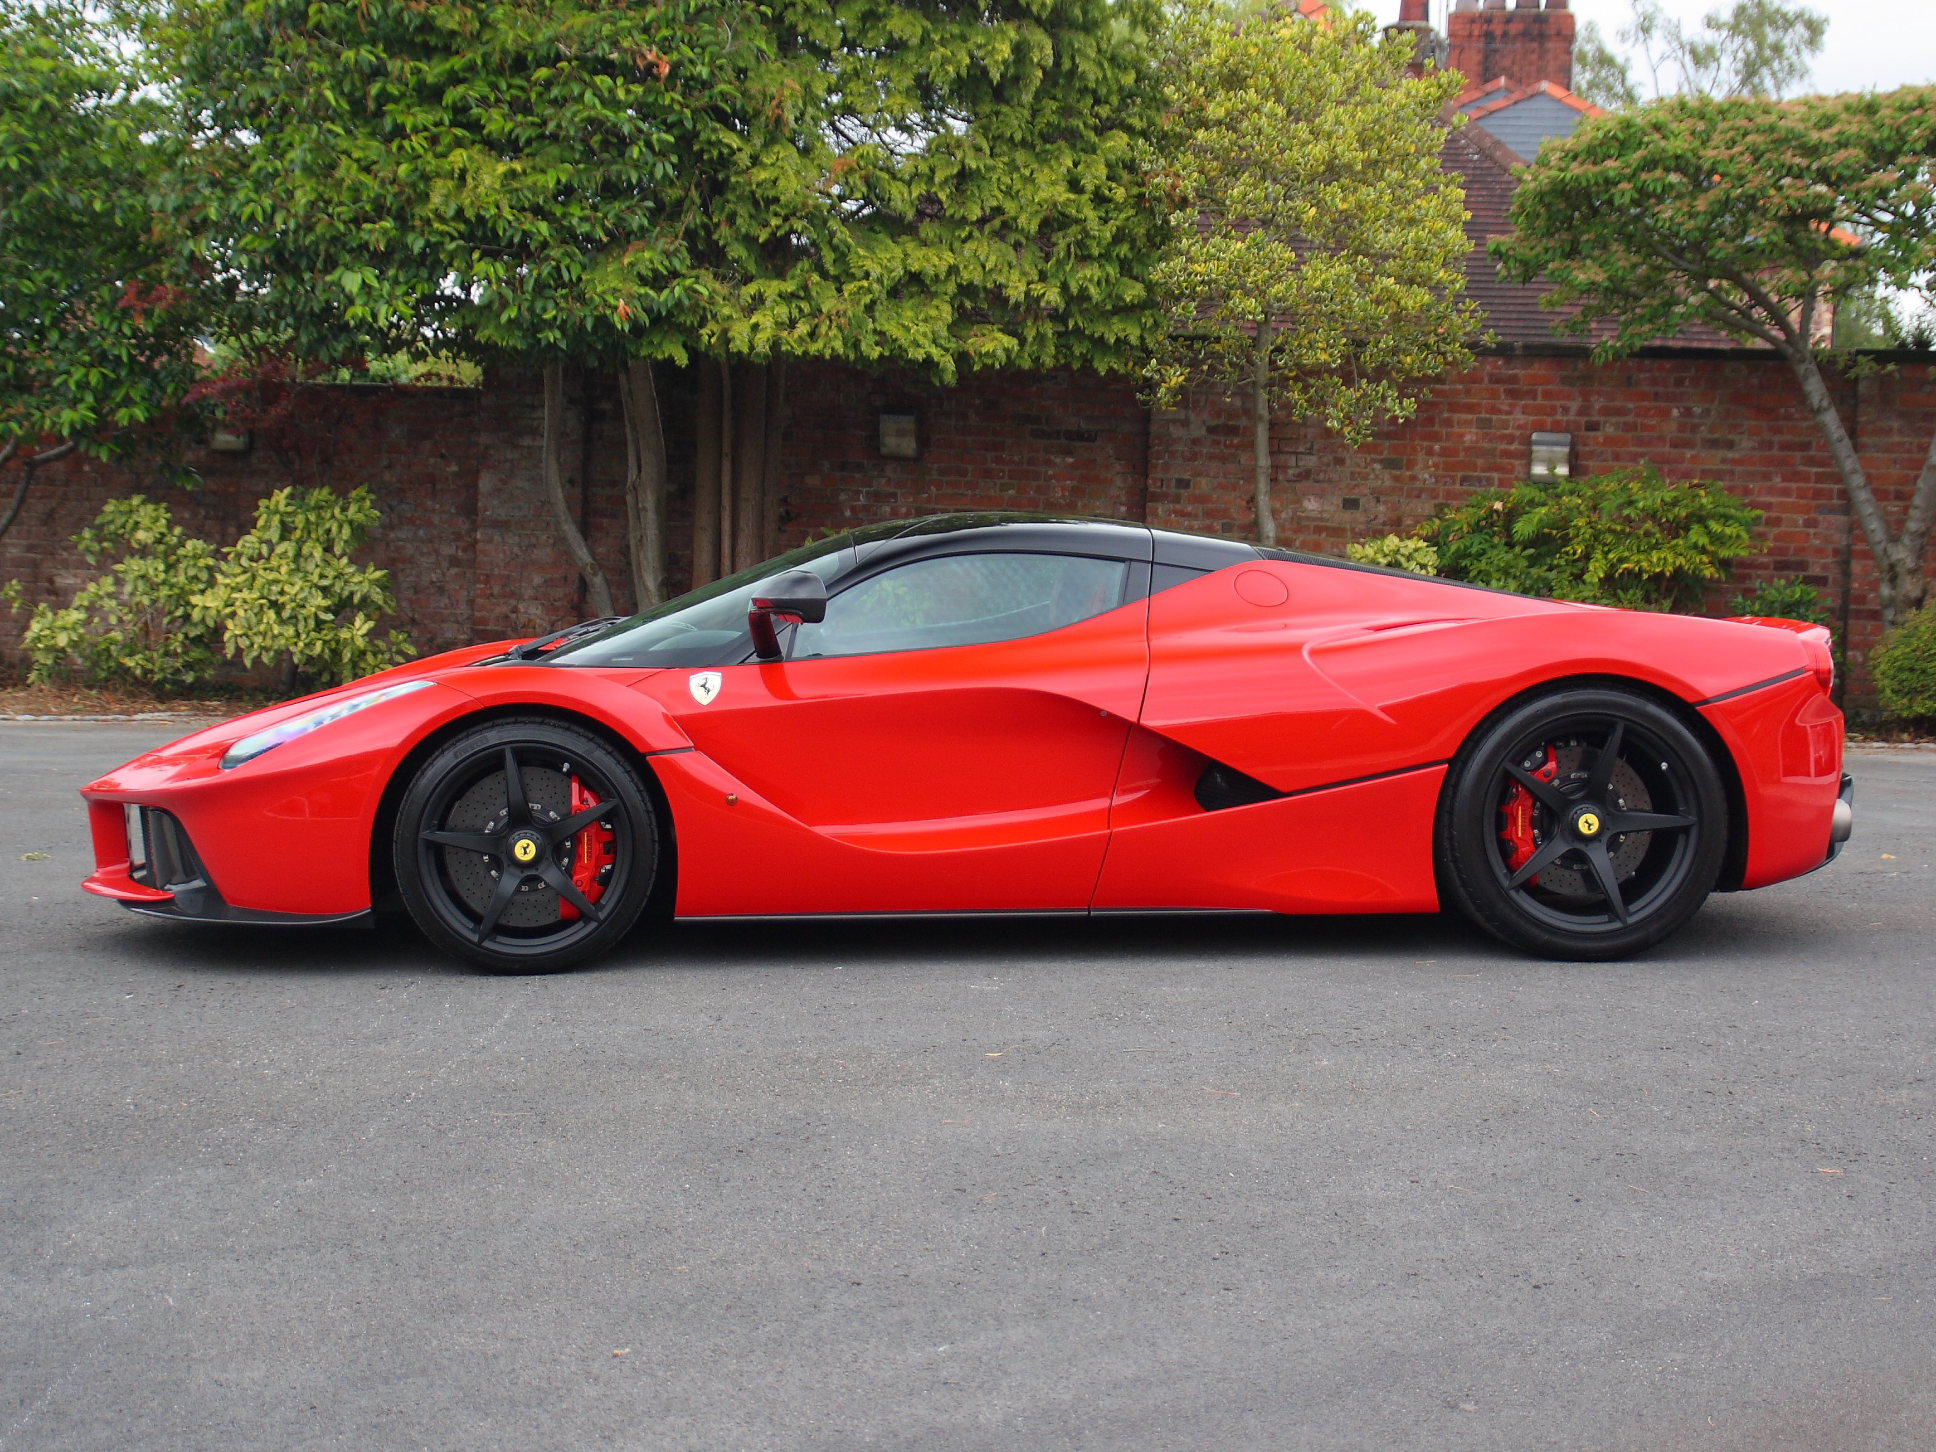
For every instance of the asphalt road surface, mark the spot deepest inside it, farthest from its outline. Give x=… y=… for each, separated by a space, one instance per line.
x=1194 y=1184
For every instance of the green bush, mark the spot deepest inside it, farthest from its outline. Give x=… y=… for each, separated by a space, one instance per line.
x=1783 y=600
x=1627 y=538
x=170 y=606
x=137 y=623
x=1396 y=552
x=1904 y=667
x=288 y=591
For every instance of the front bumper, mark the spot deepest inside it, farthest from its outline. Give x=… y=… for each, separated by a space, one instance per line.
x=158 y=873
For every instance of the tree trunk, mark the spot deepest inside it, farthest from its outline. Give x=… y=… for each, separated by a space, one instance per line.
x=749 y=464
x=598 y=594
x=645 y=482
x=705 y=482
x=27 y=468
x=770 y=459
x=1912 y=583
x=1901 y=584
x=727 y=550
x=1260 y=434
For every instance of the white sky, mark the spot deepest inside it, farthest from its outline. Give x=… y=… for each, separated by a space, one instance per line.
x=1872 y=44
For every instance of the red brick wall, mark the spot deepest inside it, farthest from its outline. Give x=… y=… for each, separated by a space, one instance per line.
x=418 y=449
x=468 y=538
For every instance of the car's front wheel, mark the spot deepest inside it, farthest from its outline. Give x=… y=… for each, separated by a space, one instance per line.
x=1586 y=824
x=525 y=846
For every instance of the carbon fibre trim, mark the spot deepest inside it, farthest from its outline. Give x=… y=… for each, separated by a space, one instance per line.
x=1332 y=786
x=1757 y=686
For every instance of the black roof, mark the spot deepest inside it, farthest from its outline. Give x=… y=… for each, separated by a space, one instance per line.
x=1048 y=534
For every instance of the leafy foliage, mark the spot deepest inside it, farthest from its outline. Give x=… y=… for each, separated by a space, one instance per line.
x=1752 y=218
x=96 y=330
x=171 y=604
x=1756 y=48
x=1628 y=538
x=1309 y=194
x=968 y=182
x=1396 y=552
x=138 y=622
x=1786 y=599
x=289 y=591
x=1316 y=257
x=1904 y=667
x=525 y=178
x=925 y=183
x=1740 y=215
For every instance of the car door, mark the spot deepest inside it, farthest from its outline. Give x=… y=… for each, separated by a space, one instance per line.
x=947 y=739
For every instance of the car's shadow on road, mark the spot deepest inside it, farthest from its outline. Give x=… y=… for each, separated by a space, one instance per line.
x=1018 y=940
x=1728 y=930
x=393 y=948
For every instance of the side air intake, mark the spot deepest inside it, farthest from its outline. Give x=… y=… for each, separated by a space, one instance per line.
x=1223 y=786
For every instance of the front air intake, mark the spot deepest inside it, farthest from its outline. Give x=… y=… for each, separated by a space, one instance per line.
x=167 y=857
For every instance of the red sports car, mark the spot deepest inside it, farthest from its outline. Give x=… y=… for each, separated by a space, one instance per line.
x=1003 y=713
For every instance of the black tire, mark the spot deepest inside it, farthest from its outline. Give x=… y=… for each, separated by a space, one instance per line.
x=502 y=881
x=1587 y=824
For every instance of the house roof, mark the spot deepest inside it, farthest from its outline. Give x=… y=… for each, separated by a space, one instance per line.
x=1525 y=116
x=1485 y=165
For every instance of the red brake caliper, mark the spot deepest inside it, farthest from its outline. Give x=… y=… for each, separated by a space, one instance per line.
x=1519 y=815
x=592 y=853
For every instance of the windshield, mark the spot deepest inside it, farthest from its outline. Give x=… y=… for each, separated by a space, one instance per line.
x=706 y=626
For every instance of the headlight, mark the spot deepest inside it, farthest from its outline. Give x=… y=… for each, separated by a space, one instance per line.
x=250 y=747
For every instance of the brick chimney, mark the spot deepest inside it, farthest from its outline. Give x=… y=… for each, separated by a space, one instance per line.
x=1414 y=19
x=1530 y=43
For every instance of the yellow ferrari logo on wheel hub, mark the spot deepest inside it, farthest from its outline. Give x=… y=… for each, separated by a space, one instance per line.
x=525 y=850
x=1588 y=824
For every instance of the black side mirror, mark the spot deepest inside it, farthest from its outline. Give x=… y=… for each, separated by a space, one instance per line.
x=795 y=598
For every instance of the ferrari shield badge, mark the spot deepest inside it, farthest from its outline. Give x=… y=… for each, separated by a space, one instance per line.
x=705 y=686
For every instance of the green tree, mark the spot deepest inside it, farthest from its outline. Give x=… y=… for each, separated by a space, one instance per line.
x=96 y=332
x=1317 y=257
x=572 y=182
x=521 y=181
x=1752 y=218
x=1756 y=48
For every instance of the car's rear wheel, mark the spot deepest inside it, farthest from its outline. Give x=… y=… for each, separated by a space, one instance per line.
x=1586 y=824
x=525 y=846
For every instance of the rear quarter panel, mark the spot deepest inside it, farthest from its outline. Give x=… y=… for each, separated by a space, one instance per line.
x=1350 y=692
x=1306 y=675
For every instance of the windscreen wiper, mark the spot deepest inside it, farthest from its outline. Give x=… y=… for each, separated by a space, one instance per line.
x=532 y=649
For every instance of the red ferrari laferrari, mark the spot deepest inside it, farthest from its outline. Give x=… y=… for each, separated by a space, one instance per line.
x=1004 y=713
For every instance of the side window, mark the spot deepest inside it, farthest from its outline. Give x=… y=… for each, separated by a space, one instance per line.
x=1165 y=576
x=962 y=600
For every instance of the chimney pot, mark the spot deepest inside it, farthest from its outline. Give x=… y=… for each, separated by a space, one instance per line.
x=1413 y=12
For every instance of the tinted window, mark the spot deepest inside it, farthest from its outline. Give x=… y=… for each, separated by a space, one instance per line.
x=963 y=600
x=706 y=627
x=1164 y=576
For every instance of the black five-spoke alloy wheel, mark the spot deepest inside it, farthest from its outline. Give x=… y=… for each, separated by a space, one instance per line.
x=1586 y=824
x=525 y=846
